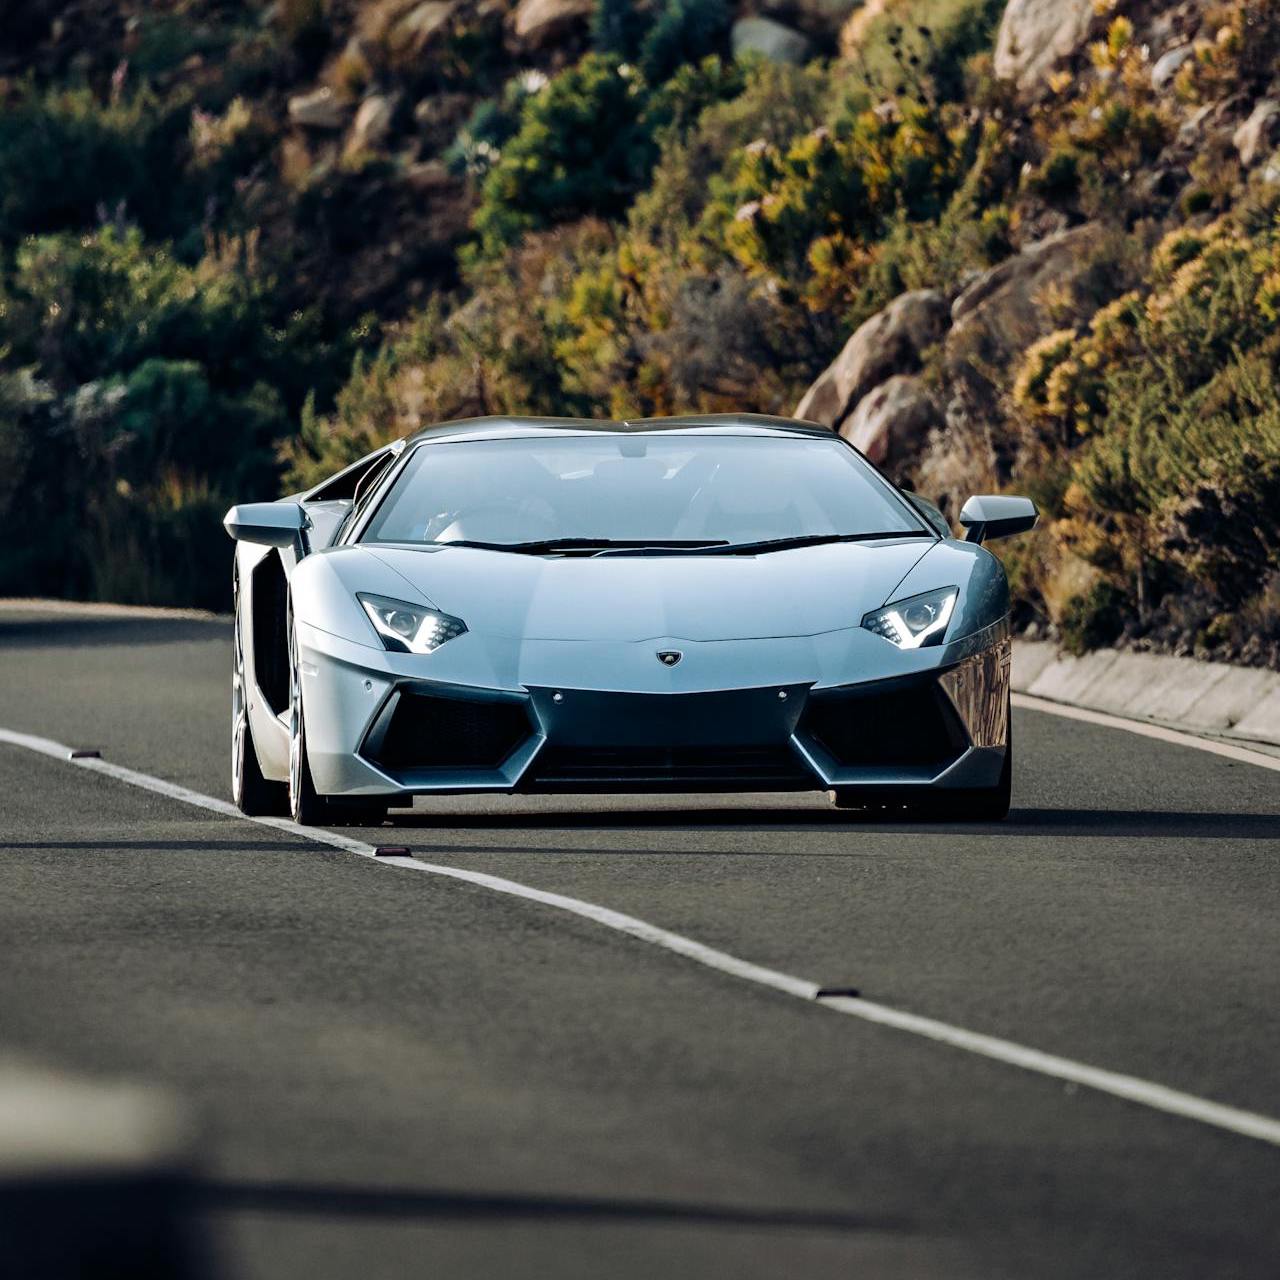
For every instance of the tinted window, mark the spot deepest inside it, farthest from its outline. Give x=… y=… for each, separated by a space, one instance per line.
x=664 y=487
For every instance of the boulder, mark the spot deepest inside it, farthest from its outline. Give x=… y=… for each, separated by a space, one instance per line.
x=1168 y=65
x=419 y=27
x=429 y=176
x=891 y=423
x=536 y=22
x=372 y=124
x=889 y=343
x=1256 y=137
x=1000 y=314
x=439 y=116
x=320 y=109
x=770 y=39
x=1036 y=34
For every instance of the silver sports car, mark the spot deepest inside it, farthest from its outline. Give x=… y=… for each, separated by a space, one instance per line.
x=723 y=603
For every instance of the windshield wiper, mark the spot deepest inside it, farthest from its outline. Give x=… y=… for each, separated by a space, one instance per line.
x=783 y=544
x=591 y=546
x=675 y=546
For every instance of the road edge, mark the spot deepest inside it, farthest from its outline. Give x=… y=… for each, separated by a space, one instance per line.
x=1205 y=700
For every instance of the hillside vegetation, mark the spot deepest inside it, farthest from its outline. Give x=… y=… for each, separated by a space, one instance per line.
x=242 y=243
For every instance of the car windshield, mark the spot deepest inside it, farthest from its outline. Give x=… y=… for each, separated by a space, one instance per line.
x=610 y=490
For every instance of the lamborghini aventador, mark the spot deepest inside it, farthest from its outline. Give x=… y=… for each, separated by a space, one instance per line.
x=723 y=603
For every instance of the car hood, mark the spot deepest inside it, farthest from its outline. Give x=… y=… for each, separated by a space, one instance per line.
x=800 y=592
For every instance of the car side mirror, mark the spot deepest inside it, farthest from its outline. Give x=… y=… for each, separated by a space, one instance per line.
x=987 y=516
x=270 y=524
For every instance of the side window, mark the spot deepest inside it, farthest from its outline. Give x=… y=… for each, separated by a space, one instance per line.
x=369 y=481
x=933 y=516
x=344 y=485
x=364 y=490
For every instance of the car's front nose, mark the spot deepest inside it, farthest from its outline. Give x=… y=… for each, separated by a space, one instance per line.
x=843 y=708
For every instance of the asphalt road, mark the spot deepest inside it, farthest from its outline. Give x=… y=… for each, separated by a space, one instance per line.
x=399 y=1075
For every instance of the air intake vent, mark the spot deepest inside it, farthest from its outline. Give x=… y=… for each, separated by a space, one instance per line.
x=669 y=769
x=904 y=726
x=426 y=731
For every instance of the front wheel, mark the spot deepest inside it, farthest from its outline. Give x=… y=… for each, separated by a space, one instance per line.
x=986 y=804
x=306 y=806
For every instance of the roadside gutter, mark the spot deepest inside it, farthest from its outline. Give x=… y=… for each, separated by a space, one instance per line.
x=1209 y=698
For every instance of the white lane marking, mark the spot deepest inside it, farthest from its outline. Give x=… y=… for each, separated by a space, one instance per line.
x=1141 y=727
x=1248 y=1124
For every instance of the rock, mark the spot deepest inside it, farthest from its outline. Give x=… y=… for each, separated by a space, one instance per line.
x=371 y=125
x=771 y=39
x=1036 y=34
x=535 y=22
x=439 y=116
x=1168 y=65
x=1198 y=122
x=1000 y=314
x=320 y=109
x=887 y=344
x=891 y=423
x=419 y=27
x=1160 y=184
x=428 y=176
x=1256 y=137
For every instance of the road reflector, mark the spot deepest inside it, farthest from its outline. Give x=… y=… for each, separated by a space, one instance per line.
x=391 y=851
x=851 y=992
x=85 y=753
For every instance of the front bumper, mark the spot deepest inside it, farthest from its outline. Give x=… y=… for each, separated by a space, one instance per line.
x=559 y=717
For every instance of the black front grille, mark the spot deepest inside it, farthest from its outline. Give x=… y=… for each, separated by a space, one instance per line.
x=426 y=731
x=663 y=768
x=911 y=725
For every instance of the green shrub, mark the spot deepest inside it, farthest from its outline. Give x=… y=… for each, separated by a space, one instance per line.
x=618 y=27
x=1098 y=136
x=807 y=212
x=143 y=395
x=685 y=31
x=588 y=142
x=676 y=106
x=920 y=49
x=581 y=149
x=492 y=123
x=65 y=158
x=1093 y=620
x=776 y=104
x=1178 y=478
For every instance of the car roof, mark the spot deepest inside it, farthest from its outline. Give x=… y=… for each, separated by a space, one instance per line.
x=506 y=428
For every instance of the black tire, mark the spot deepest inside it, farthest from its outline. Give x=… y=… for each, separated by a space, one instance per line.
x=990 y=804
x=306 y=806
x=251 y=793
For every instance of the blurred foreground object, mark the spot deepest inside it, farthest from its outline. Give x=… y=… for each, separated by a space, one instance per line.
x=95 y=1181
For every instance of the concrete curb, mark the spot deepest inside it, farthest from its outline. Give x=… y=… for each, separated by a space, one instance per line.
x=1239 y=703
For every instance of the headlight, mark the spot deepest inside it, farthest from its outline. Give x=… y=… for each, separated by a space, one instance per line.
x=410 y=628
x=916 y=622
